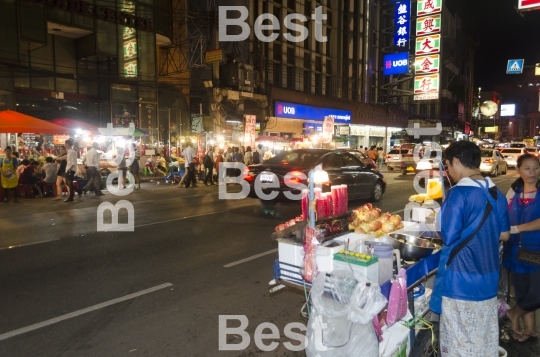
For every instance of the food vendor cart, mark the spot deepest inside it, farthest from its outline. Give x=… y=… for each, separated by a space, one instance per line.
x=348 y=241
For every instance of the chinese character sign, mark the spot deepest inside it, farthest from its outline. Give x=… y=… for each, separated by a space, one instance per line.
x=426 y=64
x=427 y=45
x=249 y=130
x=428 y=7
x=402 y=19
x=426 y=87
x=428 y=24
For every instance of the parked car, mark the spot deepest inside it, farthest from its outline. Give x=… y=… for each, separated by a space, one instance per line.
x=493 y=162
x=518 y=144
x=511 y=155
x=534 y=150
x=342 y=168
x=394 y=158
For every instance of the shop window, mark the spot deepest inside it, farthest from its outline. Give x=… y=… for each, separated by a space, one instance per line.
x=277 y=52
x=318 y=64
x=66 y=85
x=106 y=38
x=318 y=83
x=307 y=81
x=328 y=90
x=290 y=78
x=41 y=81
x=147 y=55
x=43 y=57
x=64 y=51
x=277 y=74
x=290 y=55
x=21 y=78
x=32 y=22
x=87 y=87
x=83 y=21
x=122 y=92
x=59 y=16
x=8 y=29
x=307 y=61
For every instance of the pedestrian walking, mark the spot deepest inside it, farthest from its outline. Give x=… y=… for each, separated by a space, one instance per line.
x=465 y=291
x=380 y=157
x=208 y=162
x=91 y=162
x=248 y=156
x=189 y=159
x=134 y=167
x=71 y=169
x=61 y=161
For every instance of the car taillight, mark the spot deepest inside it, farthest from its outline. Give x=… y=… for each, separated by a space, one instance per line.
x=388 y=156
x=488 y=161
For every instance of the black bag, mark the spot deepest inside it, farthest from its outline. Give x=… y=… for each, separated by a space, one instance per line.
x=527 y=255
x=256 y=157
x=208 y=161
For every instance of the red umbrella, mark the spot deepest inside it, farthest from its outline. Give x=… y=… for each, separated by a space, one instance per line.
x=15 y=122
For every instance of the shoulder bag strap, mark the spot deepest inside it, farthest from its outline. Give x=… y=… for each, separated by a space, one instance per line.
x=469 y=238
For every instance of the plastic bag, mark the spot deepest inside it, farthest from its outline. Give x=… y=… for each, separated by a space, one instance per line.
x=397 y=302
x=367 y=302
x=361 y=339
x=310 y=264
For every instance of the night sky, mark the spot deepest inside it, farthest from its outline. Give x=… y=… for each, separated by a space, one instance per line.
x=503 y=34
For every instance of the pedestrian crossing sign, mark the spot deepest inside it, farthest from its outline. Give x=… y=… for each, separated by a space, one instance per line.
x=515 y=66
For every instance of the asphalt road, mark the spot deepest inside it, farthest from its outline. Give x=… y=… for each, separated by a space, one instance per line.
x=68 y=290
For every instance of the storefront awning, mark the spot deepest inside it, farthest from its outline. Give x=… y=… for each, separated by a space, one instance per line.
x=15 y=122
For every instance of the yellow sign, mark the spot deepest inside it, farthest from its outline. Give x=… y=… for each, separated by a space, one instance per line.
x=492 y=129
x=537 y=69
x=214 y=56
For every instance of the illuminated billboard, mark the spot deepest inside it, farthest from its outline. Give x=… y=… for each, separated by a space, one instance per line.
x=528 y=4
x=508 y=110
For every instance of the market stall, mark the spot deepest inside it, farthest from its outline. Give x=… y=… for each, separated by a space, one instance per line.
x=356 y=265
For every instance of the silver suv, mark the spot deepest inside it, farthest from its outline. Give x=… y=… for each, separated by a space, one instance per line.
x=512 y=154
x=394 y=158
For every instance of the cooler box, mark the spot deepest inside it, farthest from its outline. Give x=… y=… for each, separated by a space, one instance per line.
x=368 y=268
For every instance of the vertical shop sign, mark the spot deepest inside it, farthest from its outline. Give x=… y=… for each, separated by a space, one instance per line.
x=426 y=87
x=428 y=7
x=428 y=45
x=249 y=130
x=129 y=44
x=427 y=64
x=328 y=129
x=428 y=25
x=402 y=19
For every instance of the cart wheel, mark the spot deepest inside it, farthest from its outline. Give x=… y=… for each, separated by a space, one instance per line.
x=390 y=168
x=404 y=172
x=423 y=345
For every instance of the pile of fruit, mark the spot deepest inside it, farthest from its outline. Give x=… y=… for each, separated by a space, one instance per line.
x=369 y=220
x=421 y=198
x=355 y=254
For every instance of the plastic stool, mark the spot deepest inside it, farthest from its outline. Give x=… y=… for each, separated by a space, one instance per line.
x=145 y=171
x=26 y=190
x=51 y=187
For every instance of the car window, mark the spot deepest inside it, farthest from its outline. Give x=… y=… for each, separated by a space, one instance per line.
x=533 y=150
x=398 y=152
x=333 y=161
x=487 y=153
x=515 y=145
x=511 y=151
x=351 y=161
x=295 y=158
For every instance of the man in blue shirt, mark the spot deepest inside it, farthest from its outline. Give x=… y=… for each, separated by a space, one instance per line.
x=465 y=290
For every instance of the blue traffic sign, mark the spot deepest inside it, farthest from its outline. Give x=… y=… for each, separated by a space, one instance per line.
x=515 y=66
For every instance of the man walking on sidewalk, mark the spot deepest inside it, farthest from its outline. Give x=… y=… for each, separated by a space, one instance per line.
x=71 y=169
x=189 y=156
x=91 y=161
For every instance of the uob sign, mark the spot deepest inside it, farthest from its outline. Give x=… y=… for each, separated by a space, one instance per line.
x=397 y=63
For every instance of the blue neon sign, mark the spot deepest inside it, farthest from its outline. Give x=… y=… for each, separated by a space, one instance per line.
x=306 y=112
x=396 y=63
x=402 y=20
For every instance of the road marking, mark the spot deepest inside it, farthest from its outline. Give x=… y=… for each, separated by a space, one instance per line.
x=179 y=219
x=253 y=257
x=24 y=245
x=39 y=325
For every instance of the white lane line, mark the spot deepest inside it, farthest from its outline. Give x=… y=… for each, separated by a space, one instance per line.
x=250 y=258
x=39 y=325
x=24 y=245
x=179 y=219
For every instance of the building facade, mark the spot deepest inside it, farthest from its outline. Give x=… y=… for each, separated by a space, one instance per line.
x=95 y=61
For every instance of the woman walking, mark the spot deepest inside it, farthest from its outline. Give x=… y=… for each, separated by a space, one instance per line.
x=10 y=182
x=61 y=161
x=524 y=215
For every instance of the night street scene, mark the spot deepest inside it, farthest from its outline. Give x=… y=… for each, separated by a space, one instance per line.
x=319 y=178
